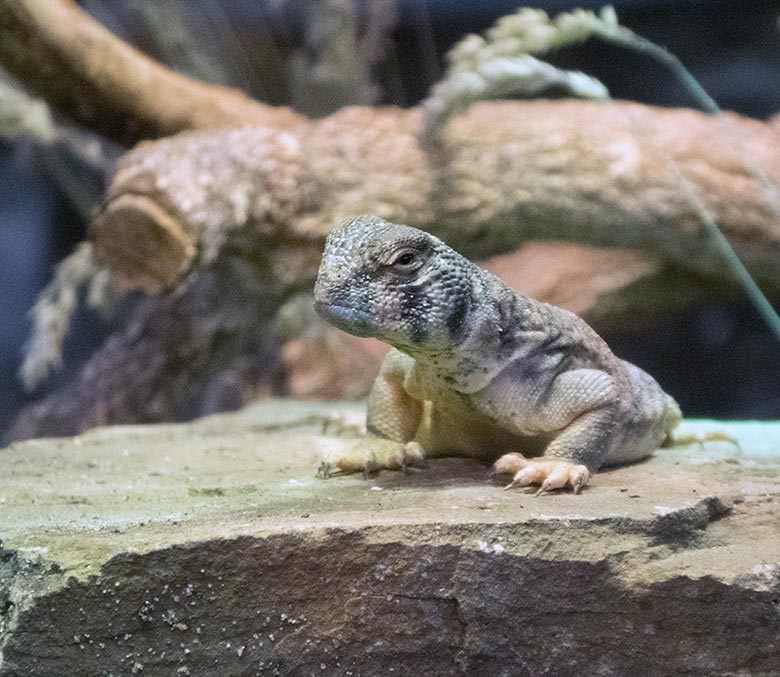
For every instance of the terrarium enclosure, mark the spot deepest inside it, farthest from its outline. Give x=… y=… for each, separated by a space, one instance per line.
x=170 y=172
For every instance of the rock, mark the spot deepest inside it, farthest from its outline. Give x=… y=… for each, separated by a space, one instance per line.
x=211 y=548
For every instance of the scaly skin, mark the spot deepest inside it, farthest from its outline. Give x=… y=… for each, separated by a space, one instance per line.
x=479 y=370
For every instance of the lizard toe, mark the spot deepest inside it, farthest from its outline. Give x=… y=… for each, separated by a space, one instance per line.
x=368 y=456
x=325 y=470
x=551 y=476
x=578 y=478
x=510 y=464
x=557 y=478
x=684 y=438
x=414 y=455
x=532 y=473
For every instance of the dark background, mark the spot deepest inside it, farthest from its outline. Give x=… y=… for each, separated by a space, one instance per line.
x=718 y=359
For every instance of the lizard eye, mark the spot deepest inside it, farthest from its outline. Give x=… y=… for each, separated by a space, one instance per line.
x=405 y=259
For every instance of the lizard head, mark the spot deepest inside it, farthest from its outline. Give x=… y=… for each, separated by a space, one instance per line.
x=395 y=283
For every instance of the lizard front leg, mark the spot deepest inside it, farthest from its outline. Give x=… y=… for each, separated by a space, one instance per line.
x=580 y=408
x=569 y=459
x=392 y=420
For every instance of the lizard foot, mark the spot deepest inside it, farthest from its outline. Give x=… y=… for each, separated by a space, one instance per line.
x=682 y=439
x=549 y=474
x=370 y=455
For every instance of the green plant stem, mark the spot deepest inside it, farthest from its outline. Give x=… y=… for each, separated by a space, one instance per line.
x=626 y=38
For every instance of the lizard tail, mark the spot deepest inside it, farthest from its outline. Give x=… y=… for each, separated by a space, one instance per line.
x=677 y=438
x=672 y=418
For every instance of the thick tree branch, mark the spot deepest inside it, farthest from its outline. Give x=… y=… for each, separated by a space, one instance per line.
x=506 y=173
x=58 y=51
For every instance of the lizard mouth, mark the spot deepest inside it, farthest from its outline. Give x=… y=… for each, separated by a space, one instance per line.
x=347 y=319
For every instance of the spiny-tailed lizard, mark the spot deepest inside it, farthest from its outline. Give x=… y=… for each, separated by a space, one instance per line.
x=480 y=370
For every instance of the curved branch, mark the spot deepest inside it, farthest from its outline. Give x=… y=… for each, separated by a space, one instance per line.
x=506 y=173
x=58 y=51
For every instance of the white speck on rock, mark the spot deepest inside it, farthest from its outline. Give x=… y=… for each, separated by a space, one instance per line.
x=485 y=547
x=663 y=510
x=381 y=572
x=768 y=571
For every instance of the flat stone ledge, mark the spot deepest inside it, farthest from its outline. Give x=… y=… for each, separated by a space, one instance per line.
x=211 y=548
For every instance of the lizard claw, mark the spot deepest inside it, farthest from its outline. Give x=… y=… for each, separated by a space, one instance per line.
x=326 y=470
x=550 y=475
x=367 y=456
x=685 y=438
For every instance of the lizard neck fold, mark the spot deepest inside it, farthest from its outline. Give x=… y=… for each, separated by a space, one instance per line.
x=499 y=323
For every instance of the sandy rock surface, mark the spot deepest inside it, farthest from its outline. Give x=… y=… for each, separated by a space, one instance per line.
x=212 y=548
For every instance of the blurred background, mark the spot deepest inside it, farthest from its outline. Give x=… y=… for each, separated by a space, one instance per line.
x=717 y=358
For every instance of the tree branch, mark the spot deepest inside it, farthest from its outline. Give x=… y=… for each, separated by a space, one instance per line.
x=171 y=352
x=504 y=174
x=58 y=51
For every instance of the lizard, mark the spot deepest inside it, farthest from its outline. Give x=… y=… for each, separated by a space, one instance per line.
x=477 y=369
